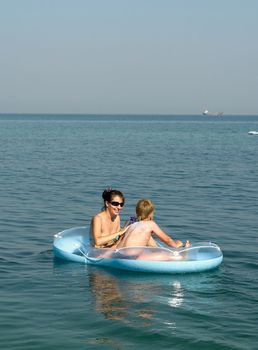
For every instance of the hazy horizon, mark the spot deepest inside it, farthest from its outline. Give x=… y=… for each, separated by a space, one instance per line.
x=210 y=117
x=128 y=57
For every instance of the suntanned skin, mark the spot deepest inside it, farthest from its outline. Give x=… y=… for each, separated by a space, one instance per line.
x=105 y=226
x=139 y=235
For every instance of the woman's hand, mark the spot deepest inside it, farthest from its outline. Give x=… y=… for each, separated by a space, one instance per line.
x=123 y=231
x=120 y=235
x=126 y=224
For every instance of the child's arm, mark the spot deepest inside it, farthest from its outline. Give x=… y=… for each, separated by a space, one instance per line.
x=164 y=237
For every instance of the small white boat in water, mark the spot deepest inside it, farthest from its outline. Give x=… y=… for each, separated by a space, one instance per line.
x=253 y=132
x=211 y=114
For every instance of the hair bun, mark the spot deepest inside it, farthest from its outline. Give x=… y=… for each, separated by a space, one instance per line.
x=106 y=192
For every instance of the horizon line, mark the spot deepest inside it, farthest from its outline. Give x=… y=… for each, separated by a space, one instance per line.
x=125 y=114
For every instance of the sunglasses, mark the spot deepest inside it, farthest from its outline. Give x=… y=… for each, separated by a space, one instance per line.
x=116 y=204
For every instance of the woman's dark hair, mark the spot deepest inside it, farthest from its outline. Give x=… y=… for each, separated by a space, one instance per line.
x=109 y=194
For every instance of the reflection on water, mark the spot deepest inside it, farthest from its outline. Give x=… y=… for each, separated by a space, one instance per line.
x=137 y=300
x=109 y=299
x=177 y=295
x=118 y=297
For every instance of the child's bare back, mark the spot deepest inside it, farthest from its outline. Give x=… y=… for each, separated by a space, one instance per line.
x=137 y=235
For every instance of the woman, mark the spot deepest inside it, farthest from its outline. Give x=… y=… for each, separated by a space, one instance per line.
x=105 y=226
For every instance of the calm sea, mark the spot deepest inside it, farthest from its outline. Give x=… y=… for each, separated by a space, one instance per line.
x=200 y=172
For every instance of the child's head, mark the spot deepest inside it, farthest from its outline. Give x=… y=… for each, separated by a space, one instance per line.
x=144 y=208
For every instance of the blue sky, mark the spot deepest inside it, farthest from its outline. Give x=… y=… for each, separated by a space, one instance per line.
x=128 y=56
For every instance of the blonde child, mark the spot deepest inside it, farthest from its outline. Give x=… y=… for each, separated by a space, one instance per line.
x=140 y=233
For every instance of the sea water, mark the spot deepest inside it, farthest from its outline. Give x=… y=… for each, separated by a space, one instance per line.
x=201 y=173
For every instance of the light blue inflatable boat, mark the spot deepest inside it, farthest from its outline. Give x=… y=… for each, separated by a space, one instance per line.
x=74 y=245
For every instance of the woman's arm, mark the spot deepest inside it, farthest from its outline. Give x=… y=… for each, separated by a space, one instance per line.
x=164 y=237
x=96 y=231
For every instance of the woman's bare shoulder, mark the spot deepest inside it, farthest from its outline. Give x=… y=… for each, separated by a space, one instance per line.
x=98 y=217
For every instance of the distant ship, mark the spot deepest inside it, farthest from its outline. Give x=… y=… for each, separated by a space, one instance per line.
x=211 y=114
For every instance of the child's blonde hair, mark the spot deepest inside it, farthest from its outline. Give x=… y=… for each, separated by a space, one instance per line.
x=144 y=208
